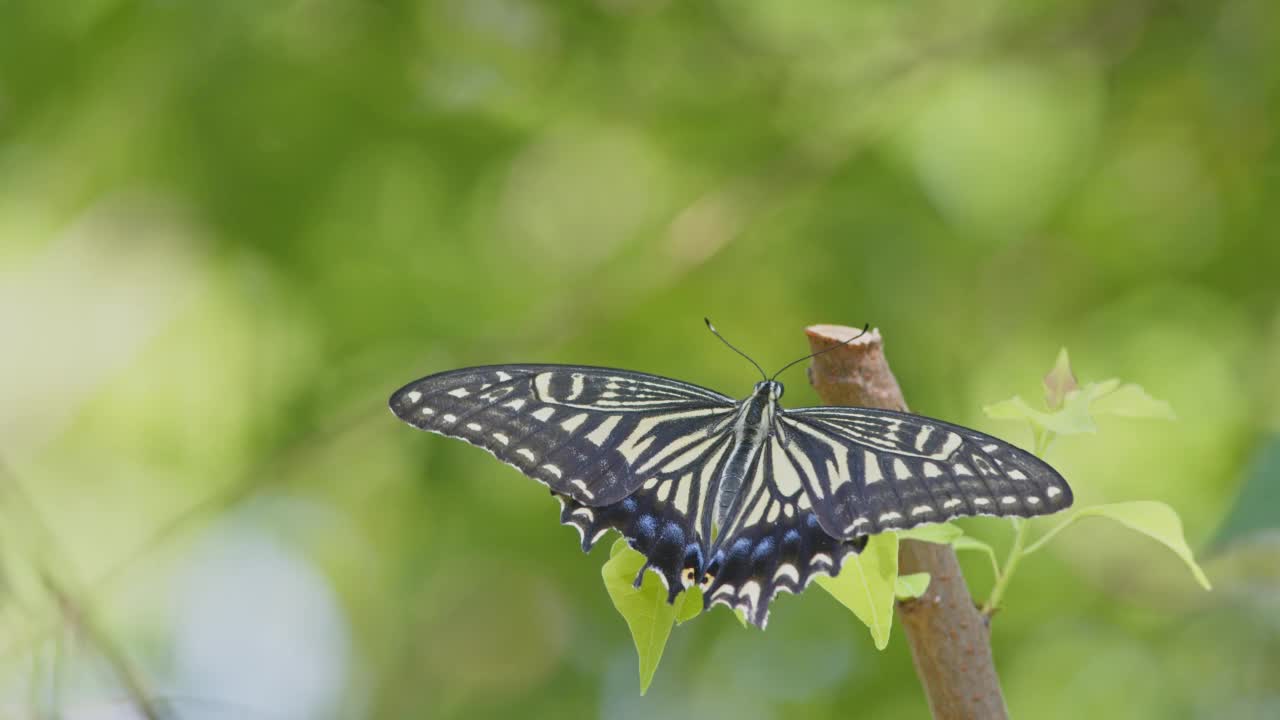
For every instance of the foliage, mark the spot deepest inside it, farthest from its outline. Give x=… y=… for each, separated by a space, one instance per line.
x=228 y=230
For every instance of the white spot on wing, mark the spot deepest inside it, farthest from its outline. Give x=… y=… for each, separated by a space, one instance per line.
x=527 y=453
x=1008 y=499
x=1017 y=475
x=474 y=427
x=554 y=470
x=459 y=392
x=962 y=469
x=1033 y=499
x=448 y=417
x=678 y=463
x=853 y=526
x=576 y=389
x=889 y=516
x=950 y=504
x=1053 y=492
x=664 y=492
x=503 y=377
x=414 y=396
x=981 y=501
x=682 y=493
x=543 y=414
x=900 y=469
x=501 y=438
x=952 y=443
x=631 y=451
x=787 y=570
x=785 y=476
x=871 y=465
x=923 y=437
x=582 y=487
x=514 y=404
x=757 y=510
x=921 y=510
x=572 y=423
x=931 y=470
x=602 y=432
x=542 y=386
x=428 y=411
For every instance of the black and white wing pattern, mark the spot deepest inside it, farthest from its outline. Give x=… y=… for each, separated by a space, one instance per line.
x=624 y=450
x=773 y=541
x=873 y=470
x=744 y=499
x=828 y=477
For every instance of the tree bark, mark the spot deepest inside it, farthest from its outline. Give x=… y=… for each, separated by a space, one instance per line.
x=950 y=640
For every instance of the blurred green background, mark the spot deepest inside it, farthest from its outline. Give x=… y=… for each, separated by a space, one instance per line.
x=229 y=229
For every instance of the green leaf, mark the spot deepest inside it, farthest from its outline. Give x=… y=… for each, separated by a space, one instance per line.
x=645 y=608
x=1095 y=390
x=866 y=584
x=1072 y=419
x=937 y=533
x=968 y=543
x=909 y=587
x=618 y=546
x=1059 y=381
x=1132 y=401
x=1015 y=408
x=688 y=605
x=1153 y=519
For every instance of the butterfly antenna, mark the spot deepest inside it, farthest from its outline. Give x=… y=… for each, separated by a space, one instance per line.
x=865 y=328
x=715 y=332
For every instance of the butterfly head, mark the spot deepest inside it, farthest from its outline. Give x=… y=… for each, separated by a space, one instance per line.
x=771 y=388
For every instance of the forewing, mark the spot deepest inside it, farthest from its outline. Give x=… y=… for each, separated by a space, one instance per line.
x=876 y=470
x=773 y=541
x=592 y=434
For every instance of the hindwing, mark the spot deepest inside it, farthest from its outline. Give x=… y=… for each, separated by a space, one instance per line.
x=773 y=541
x=668 y=518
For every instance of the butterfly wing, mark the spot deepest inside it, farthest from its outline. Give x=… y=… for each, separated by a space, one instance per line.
x=773 y=541
x=872 y=470
x=668 y=518
x=623 y=450
x=826 y=478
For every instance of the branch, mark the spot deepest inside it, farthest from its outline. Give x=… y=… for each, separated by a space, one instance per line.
x=72 y=612
x=950 y=640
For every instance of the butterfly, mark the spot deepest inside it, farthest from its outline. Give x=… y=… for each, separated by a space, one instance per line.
x=743 y=498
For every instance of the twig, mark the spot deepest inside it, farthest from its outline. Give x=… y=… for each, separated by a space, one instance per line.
x=950 y=640
x=124 y=670
x=75 y=615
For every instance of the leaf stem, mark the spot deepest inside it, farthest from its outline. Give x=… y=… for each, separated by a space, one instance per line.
x=1043 y=438
x=1040 y=542
x=1010 y=565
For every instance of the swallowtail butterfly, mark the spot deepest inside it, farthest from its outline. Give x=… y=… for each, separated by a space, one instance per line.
x=740 y=497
